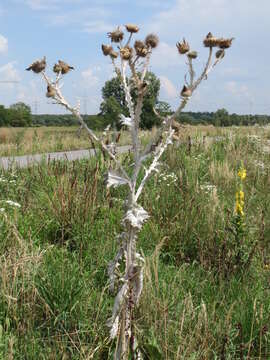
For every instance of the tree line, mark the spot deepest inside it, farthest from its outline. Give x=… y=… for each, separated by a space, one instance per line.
x=113 y=103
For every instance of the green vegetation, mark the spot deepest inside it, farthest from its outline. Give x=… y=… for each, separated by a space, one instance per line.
x=24 y=141
x=206 y=292
x=17 y=115
x=114 y=102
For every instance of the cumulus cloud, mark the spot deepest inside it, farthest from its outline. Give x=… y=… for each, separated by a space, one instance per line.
x=165 y=55
x=168 y=87
x=237 y=89
x=96 y=26
x=3 y=44
x=89 y=77
x=48 y=4
x=8 y=72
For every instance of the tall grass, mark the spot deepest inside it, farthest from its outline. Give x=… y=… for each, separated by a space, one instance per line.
x=53 y=258
x=24 y=141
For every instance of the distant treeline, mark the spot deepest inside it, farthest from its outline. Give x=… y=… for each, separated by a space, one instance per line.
x=19 y=115
x=222 y=118
x=218 y=118
x=96 y=122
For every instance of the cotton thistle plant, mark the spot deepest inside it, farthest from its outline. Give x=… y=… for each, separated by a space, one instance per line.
x=131 y=63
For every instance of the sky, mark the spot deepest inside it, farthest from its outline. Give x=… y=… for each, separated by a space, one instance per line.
x=73 y=30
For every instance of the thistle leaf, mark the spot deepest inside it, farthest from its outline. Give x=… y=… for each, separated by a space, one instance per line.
x=125 y=120
x=115 y=179
x=136 y=216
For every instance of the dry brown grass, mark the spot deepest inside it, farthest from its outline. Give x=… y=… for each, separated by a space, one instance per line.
x=22 y=141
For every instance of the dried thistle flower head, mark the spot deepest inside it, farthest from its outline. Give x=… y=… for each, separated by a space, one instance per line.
x=225 y=43
x=57 y=68
x=37 y=66
x=106 y=49
x=210 y=40
x=65 y=68
x=140 y=48
x=192 y=54
x=126 y=53
x=186 y=92
x=183 y=47
x=114 y=54
x=50 y=91
x=151 y=41
x=117 y=35
x=132 y=28
x=220 y=54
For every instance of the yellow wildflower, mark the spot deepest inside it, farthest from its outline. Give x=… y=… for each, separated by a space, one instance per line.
x=241 y=195
x=242 y=173
x=239 y=209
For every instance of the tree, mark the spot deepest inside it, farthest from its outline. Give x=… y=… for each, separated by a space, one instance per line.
x=163 y=108
x=221 y=118
x=3 y=116
x=114 y=101
x=19 y=115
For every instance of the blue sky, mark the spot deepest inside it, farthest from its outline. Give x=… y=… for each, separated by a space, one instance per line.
x=73 y=30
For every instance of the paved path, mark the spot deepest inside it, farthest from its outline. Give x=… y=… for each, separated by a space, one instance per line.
x=27 y=160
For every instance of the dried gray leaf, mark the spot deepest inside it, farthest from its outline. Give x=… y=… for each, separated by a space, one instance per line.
x=115 y=179
x=138 y=284
x=125 y=120
x=136 y=216
x=120 y=297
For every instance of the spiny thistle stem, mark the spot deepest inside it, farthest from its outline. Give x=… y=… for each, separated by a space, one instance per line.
x=130 y=282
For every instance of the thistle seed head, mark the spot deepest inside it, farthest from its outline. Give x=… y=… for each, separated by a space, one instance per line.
x=225 y=43
x=151 y=41
x=37 y=66
x=183 y=47
x=210 y=40
x=220 y=54
x=57 y=68
x=132 y=28
x=126 y=52
x=192 y=54
x=106 y=49
x=117 y=35
x=186 y=92
x=65 y=68
x=50 y=91
x=113 y=54
x=140 y=48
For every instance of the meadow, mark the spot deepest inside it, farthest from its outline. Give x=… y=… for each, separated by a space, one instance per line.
x=207 y=275
x=39 y=140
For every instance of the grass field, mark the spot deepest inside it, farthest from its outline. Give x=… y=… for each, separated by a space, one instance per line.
x=207 y=274
x=24 y=141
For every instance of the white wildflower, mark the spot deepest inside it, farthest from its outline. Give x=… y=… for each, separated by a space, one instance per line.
x=208 y=188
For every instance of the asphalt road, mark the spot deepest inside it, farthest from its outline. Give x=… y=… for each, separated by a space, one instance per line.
x=28 y=160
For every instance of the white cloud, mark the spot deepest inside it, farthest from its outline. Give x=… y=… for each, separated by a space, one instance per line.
x=8 y=72
x=89 y=77
x=48 y=4
x=96 y=26
x=3 y=44
x=168 y=87
x=165 y=55
x=237 y=89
